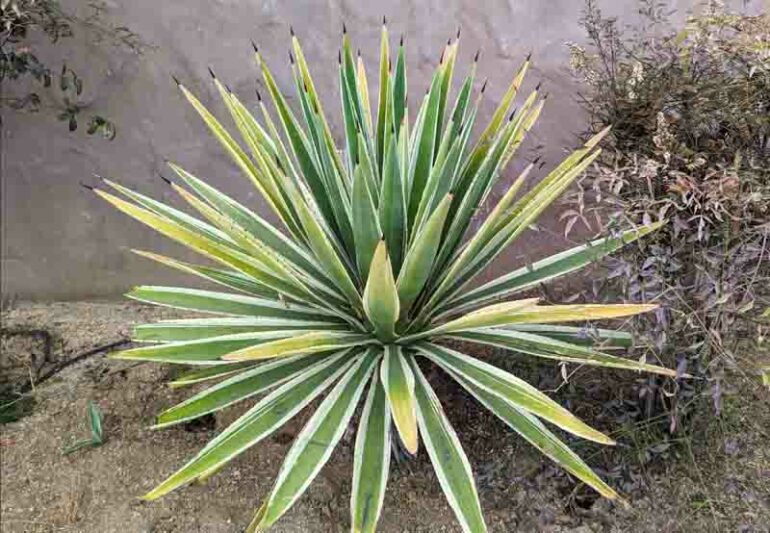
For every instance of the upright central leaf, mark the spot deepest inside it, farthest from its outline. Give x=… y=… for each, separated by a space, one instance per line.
x=381 y=297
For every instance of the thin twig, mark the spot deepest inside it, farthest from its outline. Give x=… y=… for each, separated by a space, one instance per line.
x=72 y=360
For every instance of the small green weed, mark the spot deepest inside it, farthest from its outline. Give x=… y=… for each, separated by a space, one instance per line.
x=95 y=418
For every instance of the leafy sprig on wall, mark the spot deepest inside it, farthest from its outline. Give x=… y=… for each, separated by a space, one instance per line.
x=58 y=90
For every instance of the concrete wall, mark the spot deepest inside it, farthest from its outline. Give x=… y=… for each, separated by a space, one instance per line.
x=60 y=242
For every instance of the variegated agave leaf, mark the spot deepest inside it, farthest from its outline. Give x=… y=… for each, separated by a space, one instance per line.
x=362 y=268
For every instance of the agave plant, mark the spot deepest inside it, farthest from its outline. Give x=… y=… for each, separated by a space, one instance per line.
x=370 y=271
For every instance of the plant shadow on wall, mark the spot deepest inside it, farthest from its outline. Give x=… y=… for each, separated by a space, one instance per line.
x=368 y=281
x=62 y=88
x=689 y=108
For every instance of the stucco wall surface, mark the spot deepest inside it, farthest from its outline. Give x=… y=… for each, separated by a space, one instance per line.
x=60 y=242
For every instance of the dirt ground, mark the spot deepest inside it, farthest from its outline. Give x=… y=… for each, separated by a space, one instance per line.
x=719 y=481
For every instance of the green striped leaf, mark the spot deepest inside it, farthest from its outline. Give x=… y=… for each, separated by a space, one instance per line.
x=270 y=413
x=539 y=346
x=366 y=228
x=547 y=314
x=327 y=255
x=492 y=315
x=383 y=99
x=337 y=191
x=211 y=248
x=426 y=148
x=511 y=230
x=349 y=119
x=300 y=147
x=305 y=343
x=392 y=209
x=316 y=441
x=371 y=460
x=449 y=460
x=399 y=89
x=512 y=389
x=440 y=181
x=200 y=352
x=546 y=269
x=363 y=88
x=235 y=389
x=316 y=104
x=492 y=129
x=350 y=81
x=448 y=57
x=227 y=278
x=262 y=262
x=486 y=231
x=253 y=223
x=254 y=138
x=556 y=175
x=468 y=198
x=180 y=218
x=233 y=149
x=224 y=303
x=398 y=380
x=203 y=328
x=208 y=373
x=540 y=437
x=526 y=312
x=370 y=172
x=604 y=338
x=419 y=259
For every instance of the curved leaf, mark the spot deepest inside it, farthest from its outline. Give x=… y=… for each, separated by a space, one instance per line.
x=208 y=373
x=203 y=328
x=270 y=413
x=315 y=443
x=224 y=303
x=419 y=260
x=228 y=278
x=449 y=461
x=540 y=346
x=371 y=460
x=306 y=343
x=235 y=389
x=510 y=388
x=200 y=352
x=540 y=437
x=398 y=381
x=545 y=269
